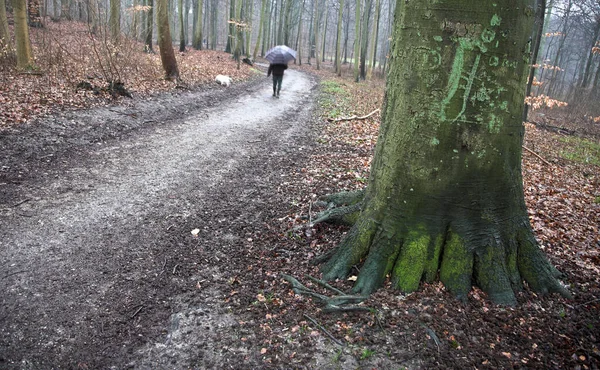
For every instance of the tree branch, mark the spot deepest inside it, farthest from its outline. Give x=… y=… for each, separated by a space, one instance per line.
x=354 y=117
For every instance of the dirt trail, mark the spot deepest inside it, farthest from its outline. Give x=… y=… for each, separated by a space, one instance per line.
x=98 y=266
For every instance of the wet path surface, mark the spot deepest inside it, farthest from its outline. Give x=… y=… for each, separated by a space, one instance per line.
x=97 y=262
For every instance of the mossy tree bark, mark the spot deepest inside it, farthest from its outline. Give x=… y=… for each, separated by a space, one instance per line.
x=167 y=55
x=445 y=198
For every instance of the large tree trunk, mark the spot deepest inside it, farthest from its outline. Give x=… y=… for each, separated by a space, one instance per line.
x=165 y=44
x=445 y=197
x=24 y=54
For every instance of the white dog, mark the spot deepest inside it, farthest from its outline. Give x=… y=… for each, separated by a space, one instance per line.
x=223 y=80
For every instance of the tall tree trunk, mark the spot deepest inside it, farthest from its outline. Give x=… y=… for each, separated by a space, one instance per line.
x=347 y=33
x=23 y=44
x=299 y=36
x=325 y=33
x=445 y=197
x=115 y=20
x=55 y=10
x=560 y=48
x=261 y=27
x=149 y=26
x=35 y=17
x=364 y=44
x=229 y=47
x=357 y=40
x=316 y=34
x=585 y=82
x=165 y=43
x=5 y=40
x=338 y=51
x=181 y=27
x=198 y=34
x=373 y=52
x=287 y=26
x=537 y=37
x=214 y=24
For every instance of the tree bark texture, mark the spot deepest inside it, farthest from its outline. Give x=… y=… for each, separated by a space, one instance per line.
x=165 y=44
x=338 y=51
x=5 y=41
x=115 y=20
x=149 y=26
x=445 y=197
x=23 y=44
x=198 y=34
x=181 y=26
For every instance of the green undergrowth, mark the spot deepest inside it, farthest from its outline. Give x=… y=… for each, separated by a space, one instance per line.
x=581 y=150
x=334 y=99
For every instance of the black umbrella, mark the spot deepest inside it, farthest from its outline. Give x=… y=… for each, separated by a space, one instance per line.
x=280 y=54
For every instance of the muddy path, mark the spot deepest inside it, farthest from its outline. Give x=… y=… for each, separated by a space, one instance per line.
x=98 y=264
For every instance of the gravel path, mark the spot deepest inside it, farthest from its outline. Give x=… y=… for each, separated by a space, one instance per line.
x=98 y=265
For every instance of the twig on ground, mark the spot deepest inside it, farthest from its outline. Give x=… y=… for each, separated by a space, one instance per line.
x=175 y=269
x=334 y=339
x=586 y=303
x=137 y=311
x=355 y=117
x=336 y=303
x=537 y=155
x=325 y=285
x=21 y=202
x=13 y=273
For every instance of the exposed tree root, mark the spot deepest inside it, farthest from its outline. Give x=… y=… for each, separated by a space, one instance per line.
x=498 y=254
x=338 y=303
x=342 y=208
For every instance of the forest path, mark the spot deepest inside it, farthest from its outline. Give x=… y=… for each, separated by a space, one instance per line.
x=98 y=265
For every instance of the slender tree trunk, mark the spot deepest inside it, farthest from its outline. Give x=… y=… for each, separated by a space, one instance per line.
x=338 y=50
x=35 y=18
x=445 y=196
x=5 y=40
x=261 y=27
x=537 y=37
x=347 y=33
x=585 y=82
x=357 y=40
x=165 y=43
x=365 y=39
x=198 y=34
x=149 y=26
x=299 y=37
x=181 y=26
x=23 y=45
x=55 y=10
x=115 y=20
x=325 y=34
x=560 y=49
x=316 y=34
x=373 y=52
x=310 y=31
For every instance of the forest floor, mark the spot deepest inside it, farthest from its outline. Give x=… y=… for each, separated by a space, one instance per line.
x=153 y=232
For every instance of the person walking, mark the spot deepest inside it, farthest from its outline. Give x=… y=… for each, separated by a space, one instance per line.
x=277 y=70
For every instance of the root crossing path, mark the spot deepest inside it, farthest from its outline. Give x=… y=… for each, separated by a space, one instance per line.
x=116 y=224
